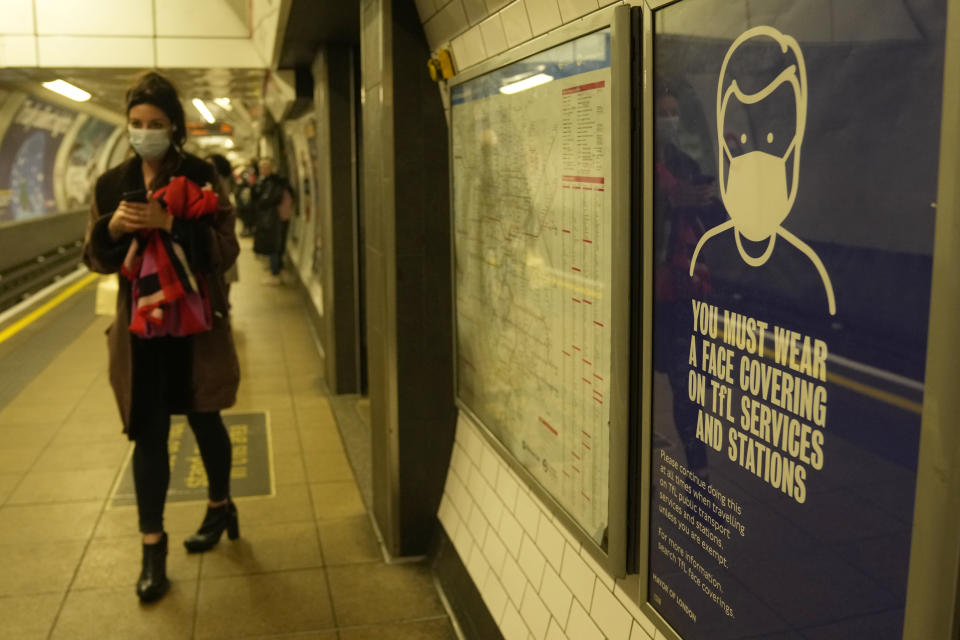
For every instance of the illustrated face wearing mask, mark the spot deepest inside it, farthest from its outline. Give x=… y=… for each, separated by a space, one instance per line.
x=755 y=190
x=150 y=129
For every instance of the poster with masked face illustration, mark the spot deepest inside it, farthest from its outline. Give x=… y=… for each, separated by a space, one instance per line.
x=795 y=173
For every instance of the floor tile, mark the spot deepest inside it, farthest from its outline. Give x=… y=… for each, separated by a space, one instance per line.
x=349 y=541
x=96 y=614
x=439 y=629
x=86 y=455
x=336 y=500
x=291 y=504
x=48 y=523
x=28 y=617
x=328 y=467
x=288 y=469
x=63 y=486
x=383 y=593
x=115 y=562
x=276 y=603
x=19 y=459
x=8 y=482
x=263 y=549
x=31 y=568
x=32 y=435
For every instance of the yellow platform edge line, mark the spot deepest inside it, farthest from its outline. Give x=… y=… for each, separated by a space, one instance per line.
x=38 y=313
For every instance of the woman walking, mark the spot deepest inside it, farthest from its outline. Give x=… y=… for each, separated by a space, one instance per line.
x=155 y=220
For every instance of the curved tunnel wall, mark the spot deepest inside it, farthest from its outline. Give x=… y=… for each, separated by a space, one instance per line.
x=50 y=156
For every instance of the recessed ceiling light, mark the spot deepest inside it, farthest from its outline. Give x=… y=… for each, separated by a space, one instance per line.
x=204 y=111
x=64 y=88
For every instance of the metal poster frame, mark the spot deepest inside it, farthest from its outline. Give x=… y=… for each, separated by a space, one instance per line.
x=613 y=558
x=932 y=607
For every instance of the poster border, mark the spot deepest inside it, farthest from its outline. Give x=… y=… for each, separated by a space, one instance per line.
x=613 y=558
x=933 y=585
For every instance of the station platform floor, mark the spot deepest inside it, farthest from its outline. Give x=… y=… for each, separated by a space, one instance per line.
x=307 y=564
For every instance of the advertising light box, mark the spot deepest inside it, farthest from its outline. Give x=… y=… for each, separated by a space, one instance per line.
x=794 y=182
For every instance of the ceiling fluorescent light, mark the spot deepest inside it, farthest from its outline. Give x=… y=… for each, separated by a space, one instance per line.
x=64 y=88
x=526 y=83
x=223 y=103
x=204 y=111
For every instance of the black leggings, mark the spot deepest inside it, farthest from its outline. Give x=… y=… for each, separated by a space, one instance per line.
x=151 y=463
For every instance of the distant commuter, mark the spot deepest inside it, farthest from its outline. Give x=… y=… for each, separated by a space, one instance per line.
x=228 y=186
x=274 y=203
x=156 y=220
x=246 y=199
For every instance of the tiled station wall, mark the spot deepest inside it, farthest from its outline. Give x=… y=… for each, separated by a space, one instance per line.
x=475 y=30
x=535 y=577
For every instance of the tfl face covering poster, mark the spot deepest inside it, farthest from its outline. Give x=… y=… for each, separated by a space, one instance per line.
x=795 y=176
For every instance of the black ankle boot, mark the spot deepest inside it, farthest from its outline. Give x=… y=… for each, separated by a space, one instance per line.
x=153 y=582
x=214 y=523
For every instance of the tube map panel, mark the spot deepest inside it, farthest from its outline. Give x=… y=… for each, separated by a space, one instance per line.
x=532 y=218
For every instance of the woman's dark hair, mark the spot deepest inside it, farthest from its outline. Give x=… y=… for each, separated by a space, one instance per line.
x=152 y=88
x=221 y=164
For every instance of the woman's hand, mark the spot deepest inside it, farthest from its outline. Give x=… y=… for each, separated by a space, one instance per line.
x=126 y=219
x=154 y=216
x=134 y=216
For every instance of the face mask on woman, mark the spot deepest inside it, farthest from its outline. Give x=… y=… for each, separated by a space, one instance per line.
x=150 y=144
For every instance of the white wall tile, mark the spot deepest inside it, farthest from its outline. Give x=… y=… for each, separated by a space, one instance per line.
x=446 y=512
x=463 y=542
x=477 y=565
x=206 y=19
x=507 y=486
x=544 y=15
x=17 y=17
x=495 y=551
x=516 y=24
x=492 y=507
x=103 y=18
x=198 y=52
x=535 y=613
x=440 y=4
x=573 y=9
x=459 y=496
x=580 y=626
x=472 y=441
x=476 y=10
x=647 y=625
x=550 y=541
x=578 y=576
x=478 y=524
x=511 y=533
x=489 y=461
x=527 y=513
x=459 y=461
x=95 y=52
x=638 y=632
x=495 y=596
x=446 y=23
x=468 y=50
x=512 y=626
x=513 y=579
x=531 y=560
x=556 y=595
x=476 y=483
x=18 y=51
x=610 y=615
x=555 y=632
x=605 y=578
x=628 y=602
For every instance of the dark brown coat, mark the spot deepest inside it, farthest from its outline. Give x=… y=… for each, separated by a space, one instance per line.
x=215 y=373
